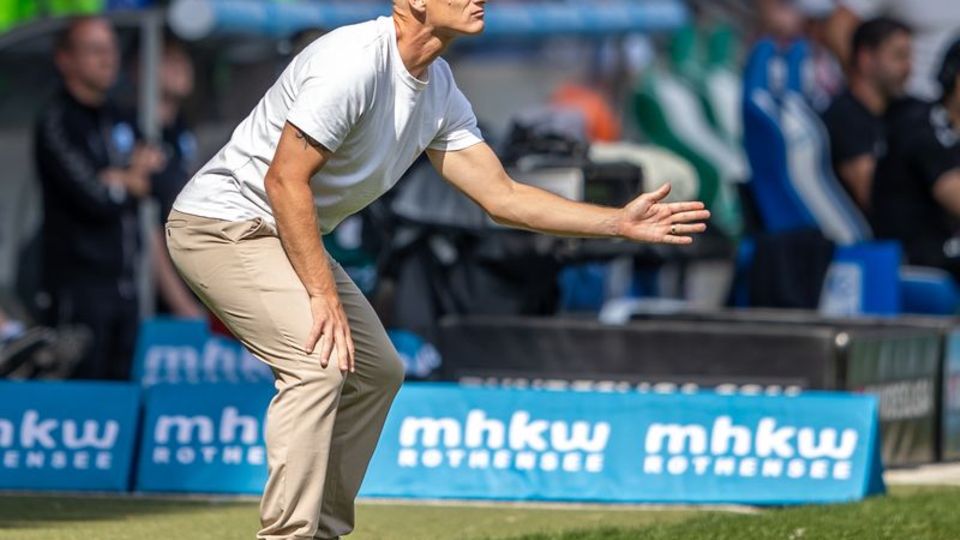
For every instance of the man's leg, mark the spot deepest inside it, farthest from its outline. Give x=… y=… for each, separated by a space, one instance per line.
x=242 y=274
x=364 y=403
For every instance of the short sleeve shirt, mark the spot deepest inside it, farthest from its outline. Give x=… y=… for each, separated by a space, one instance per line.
x=350 y=91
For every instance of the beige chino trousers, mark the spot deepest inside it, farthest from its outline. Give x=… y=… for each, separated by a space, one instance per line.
x=322 y=425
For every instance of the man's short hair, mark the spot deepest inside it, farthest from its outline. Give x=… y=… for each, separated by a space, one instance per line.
x=64 y=38
x=871 y=34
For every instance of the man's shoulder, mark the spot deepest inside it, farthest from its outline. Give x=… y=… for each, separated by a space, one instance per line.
x=844 y=108
x=354 y=48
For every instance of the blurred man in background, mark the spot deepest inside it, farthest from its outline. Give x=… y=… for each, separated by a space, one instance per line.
x=93 y=174
x=916 y=197
x=879 y=69
x=790 y=20
x=179 y=147
x=934 y=23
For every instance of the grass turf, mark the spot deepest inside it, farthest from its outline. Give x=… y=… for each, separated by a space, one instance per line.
x=912 y=513
x=909 y=513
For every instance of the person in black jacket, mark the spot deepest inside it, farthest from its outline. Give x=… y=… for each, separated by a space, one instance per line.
x=916 y=195
x=93 y=173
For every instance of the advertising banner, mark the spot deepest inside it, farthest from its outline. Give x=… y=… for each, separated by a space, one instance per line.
x=205 y=438
x=903 y=371
x=444 y=441
x=67 y=436
x=184 y=351
x=950 y=449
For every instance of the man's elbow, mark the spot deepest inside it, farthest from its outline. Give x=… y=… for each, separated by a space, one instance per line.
x=274 y=184
x=502 y=206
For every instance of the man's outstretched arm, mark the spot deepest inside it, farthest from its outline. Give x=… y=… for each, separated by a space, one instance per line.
x=478 y=173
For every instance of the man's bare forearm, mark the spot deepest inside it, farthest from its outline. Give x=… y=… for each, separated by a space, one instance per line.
x=293 y=209
x=535 y=209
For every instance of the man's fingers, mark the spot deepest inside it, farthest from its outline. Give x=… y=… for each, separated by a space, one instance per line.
x=326 y=345
x=684 y=229
x=312 y=339
x=343 y=358
x=677 y=240
x=350 y=348
x=660 y=193
x=678 y=207
x=687 y=217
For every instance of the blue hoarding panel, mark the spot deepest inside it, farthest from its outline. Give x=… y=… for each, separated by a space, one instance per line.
x=184 y=351
x=67 y=436
x=204 y=438
x=444 y=441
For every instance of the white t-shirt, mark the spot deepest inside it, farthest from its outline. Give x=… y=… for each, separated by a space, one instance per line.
x=351 y=92
x=935 y=24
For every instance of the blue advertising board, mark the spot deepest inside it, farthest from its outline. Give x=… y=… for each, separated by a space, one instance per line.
x=446 y=441
x=184 y=351
x=67 y=436
x=204 y=438
x=950 y=413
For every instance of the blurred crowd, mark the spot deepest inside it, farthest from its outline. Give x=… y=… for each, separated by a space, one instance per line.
x=883 y=76
x=96 y=169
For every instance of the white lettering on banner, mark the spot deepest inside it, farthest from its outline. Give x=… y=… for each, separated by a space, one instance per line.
x=521 y=443
x=57 y=459
x=38 y=442
x=214 y=363
x=768 y=451
x=590 y=385
x=229 y=439
x=904 y=399
x=184 y=426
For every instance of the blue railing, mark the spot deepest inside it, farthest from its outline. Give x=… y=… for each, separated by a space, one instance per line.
x=201 y=18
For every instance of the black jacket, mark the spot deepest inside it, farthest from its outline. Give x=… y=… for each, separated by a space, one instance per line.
x=90 y=234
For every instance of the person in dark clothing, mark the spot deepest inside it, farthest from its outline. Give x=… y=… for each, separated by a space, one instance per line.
x=179 y=147
x=916 y=196
x=879 y=70
x=92 y=173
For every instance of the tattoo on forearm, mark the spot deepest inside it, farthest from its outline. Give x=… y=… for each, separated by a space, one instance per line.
x=308 y=140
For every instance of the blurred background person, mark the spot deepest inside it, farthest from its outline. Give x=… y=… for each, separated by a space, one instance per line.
x=790 y=20
x=934 y=23
x=879 y=69
x=916 y=197
x=179 y=147
x=93 y=175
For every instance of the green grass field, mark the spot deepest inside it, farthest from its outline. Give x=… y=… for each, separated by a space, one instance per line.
x=907 y=514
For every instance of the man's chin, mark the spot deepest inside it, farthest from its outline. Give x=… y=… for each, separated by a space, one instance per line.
x=475 y=29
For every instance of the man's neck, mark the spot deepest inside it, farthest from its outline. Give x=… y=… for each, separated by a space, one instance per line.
x=418 y=43
x=84 y=94
x=869 y=96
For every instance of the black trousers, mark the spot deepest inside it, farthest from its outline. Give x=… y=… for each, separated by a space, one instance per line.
x=110 y=319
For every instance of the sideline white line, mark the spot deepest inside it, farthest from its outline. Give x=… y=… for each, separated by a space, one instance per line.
x=937 y=474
